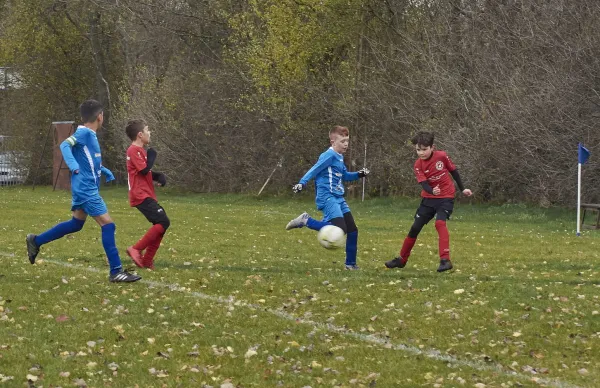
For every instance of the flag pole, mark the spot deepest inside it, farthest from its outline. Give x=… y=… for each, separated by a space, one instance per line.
x=583 y=155
x=578 y=199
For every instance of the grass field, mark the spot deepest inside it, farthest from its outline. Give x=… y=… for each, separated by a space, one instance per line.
x=236 y=301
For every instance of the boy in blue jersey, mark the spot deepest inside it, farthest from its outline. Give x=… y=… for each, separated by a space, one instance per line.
x=330 y=173
x=81 y=152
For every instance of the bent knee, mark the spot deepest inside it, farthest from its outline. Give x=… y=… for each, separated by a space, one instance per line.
x=165 y=223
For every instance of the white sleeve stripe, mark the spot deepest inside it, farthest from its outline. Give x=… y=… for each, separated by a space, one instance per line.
x=72 y=140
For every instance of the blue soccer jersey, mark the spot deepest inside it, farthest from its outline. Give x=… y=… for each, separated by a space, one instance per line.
x=81 y=151
x=329 y=173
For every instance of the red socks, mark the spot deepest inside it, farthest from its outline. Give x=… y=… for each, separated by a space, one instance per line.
x=151 y=235
x=444 y=243
x=444 y=239
x=148 y=257
x=150 y=242
x=407 y=246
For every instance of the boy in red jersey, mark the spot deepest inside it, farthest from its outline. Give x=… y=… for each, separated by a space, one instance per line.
x=141 y=193
x=433 y=170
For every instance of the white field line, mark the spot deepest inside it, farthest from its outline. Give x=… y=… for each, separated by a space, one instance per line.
x=433 y=354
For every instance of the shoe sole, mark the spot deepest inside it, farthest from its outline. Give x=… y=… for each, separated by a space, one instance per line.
x=392 y=266
x=445 y=269
x=125 y=281
x=31 y=244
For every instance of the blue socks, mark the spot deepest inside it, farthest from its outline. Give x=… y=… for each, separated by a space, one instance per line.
x=351 y=247
x=75 y=225
x=110 y=247
x=59 y=230
x=351 y=239
x=316 y=225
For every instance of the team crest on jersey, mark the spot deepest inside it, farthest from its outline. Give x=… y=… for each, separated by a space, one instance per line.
x=439 y=165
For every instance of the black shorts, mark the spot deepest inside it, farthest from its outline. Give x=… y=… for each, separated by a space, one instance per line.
x=440 y=208
x=153 y=211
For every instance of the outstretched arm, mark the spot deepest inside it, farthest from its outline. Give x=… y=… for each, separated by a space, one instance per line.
x=352 y=176
x=322 y=163
x=460 y=184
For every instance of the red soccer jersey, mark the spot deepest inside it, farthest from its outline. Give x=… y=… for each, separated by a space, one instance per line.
x=140 y=186
x=436 y=171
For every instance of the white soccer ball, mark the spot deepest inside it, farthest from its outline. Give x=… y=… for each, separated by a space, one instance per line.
x=331 y=237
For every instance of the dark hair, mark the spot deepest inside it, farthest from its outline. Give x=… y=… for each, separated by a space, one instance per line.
x=339 y=130
x=90 y=110
x=423 y=138
x=134 y=127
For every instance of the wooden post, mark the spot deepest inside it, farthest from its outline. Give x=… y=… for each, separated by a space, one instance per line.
x=60 y=171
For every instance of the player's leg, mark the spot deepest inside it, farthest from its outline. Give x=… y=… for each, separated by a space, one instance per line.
x=327 y=206
x=351 y=238
x=423 y=215
x=443 y=212
x=34 y=242
x=161 y=224
x=157 y=216
x=332 y=215
x=96 y=208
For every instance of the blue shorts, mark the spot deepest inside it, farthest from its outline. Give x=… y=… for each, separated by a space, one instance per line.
x=94 y=206
x=332 y=207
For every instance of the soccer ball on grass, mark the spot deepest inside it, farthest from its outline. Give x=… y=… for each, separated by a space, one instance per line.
x=331 y=237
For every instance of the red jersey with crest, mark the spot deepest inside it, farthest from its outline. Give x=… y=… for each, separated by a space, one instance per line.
x=436 y=171
x=140 y=186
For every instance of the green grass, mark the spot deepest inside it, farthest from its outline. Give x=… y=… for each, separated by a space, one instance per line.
x=235 y=298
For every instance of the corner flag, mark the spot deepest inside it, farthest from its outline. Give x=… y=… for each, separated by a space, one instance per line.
x=583 y=156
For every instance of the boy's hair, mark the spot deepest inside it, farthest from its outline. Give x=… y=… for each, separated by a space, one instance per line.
x=423 y=138
x=134 y=127
x=339 y=130
x=89 y=110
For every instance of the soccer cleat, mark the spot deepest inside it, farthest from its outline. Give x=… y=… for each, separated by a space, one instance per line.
x=298 y=222
x=32 y=248
x=352 y=267
x=445 y=265
x=395 y=263
x=136 y=256
x=124 y=277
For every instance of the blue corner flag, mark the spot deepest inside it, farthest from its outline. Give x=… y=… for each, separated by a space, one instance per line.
x=584 y=154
